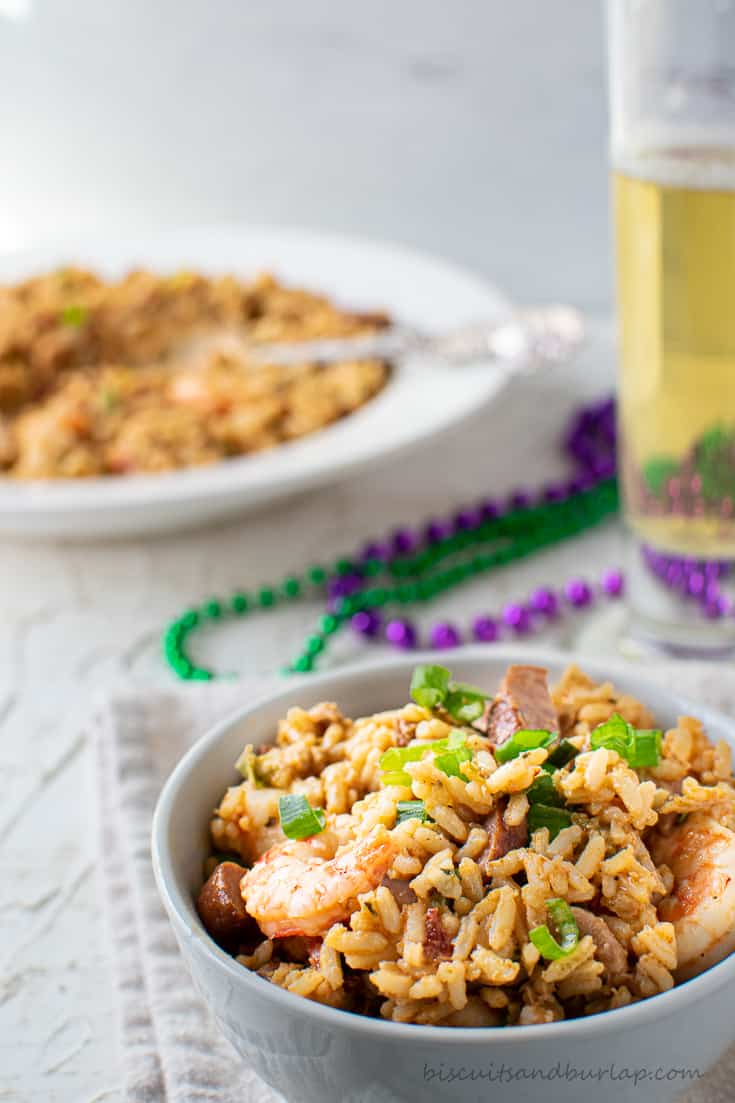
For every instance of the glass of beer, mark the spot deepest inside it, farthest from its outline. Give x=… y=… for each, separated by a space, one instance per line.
x=672 y=106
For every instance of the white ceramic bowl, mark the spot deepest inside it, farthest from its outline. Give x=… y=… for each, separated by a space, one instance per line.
x=651 y=1051
x=422 y=398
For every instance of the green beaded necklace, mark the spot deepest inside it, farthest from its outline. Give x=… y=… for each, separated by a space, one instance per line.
x=400 y=581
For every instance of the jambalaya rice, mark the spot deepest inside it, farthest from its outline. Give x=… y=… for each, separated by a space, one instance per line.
x=145 y=374
x=430 y=911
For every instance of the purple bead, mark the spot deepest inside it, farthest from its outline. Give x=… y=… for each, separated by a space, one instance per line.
x=436 y=531
x=375 y=551
x=612 y=583
x=466 y=520
x=519 y=499
x=603 y=468
x=404 y=541
x=366 y=623
x=674 y=573
x=554 y=492
x=717 y=607
x=579 y=484
x=485 y=629
x=344 y=585
x=401 y=633
x=516 y=616
x=578 y=593
x=696 y=583
x=543 y=600
x=444 y=635
x=490 y=510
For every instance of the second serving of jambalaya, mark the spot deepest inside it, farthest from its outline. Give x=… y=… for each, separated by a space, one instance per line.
x=478 y=860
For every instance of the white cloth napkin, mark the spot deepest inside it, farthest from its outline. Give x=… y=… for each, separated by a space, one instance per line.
x=171 y=1050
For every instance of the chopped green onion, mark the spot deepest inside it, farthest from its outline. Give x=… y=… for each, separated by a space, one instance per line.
x=450 y=762
x=562 y=754
x=429 y=685
x=432 y=687
x=544 y=815
x=464 y=703
x=396 y=777
x=393 y=761
x=639 y=748
x=247 y=766
x=74 y=315
x=298 y=819
x=411 y=810
x=543 y=791
x=395 y=758
x=646 y=749
x=566 y=928
x=613 y=735
x=520 y=741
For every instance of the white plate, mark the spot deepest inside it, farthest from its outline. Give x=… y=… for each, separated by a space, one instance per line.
x=422 y=399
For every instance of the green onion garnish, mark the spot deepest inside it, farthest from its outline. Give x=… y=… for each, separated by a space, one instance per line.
x=246 y=766
x=429 y=685
x=646 y=749
x=543 y=791
x=396 y=777
x=524 y=740
x=298 y=819
x=639 y=748
x=566 y=928
x=74 y=315
x=432 y=686
x=453 y=752
x=544 y=815
x=450 y=762
x=562 y=754
x=411 y=810
x=464 y=703
x=395 y=758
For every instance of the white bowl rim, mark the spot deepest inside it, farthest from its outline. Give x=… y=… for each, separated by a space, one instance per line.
x=662 y=1004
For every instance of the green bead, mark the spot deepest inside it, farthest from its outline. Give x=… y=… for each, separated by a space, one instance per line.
x=199 y=674
x=344 y=566
x=316 y=575
x=239 y=603
x=328 y=624
x=190 y=619
x=314 y=645
x=291 y=587
x=303 y=664
x=407 y=593
x=266 y=597
x=373 y=567
x=212 y=609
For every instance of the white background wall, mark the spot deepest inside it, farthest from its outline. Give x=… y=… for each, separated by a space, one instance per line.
x=475 y=128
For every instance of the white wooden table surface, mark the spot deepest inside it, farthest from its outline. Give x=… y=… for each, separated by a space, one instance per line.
x=78 y=618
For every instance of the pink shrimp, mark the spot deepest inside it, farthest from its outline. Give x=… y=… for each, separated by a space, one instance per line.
x=300 y=888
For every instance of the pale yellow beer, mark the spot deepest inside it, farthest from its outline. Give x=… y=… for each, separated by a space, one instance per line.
x=675 y=242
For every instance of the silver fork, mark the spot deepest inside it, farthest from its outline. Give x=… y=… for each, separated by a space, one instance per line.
x=525 y=339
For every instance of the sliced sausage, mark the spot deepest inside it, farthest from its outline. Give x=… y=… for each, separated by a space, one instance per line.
x=401 y=889
x=522 y=701
x=222 y=909
x=609 y=951
x=500 y=838
x=437 y=943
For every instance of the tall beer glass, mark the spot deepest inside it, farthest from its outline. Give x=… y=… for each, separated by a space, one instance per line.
x=672 y=106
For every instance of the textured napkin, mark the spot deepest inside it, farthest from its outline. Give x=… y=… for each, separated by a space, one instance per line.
x=171 y=1049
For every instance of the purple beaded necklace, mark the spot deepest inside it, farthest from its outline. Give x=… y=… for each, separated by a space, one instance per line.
x=418 y=564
